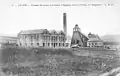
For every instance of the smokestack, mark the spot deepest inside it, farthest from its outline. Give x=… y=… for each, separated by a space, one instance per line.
x=65 y=24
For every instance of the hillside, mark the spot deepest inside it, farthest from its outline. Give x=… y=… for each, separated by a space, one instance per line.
x=111 y=38
x=46 y=61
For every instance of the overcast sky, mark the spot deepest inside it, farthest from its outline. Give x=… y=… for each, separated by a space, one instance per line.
x=99 y=20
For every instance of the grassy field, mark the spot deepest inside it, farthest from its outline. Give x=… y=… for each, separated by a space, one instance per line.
x=34 y=60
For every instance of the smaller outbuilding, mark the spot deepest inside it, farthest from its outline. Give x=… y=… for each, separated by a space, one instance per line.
x=94 y=41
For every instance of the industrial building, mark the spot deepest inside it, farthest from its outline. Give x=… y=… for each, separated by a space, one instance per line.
x=81 y=40
x=44 y=37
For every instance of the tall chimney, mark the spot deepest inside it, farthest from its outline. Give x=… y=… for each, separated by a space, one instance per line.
x=65 y=24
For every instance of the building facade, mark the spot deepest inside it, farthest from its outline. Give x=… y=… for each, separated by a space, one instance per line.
x=41 y=38
x=78 y=37
x=94 y=41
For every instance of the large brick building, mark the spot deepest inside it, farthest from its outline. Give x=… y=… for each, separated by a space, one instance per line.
x=44 y=37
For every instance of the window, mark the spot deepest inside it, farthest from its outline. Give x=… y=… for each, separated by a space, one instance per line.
x=43 y=44
x=59 y=44
x=63 y=44
x=89 y=43
x=77 y=41
x=52 y=38
x=95 y=43
x=25 y=37
x=56 y=38
x=37 y=37
x=92 y=43
x=48 y=44
x=59 y=39
x=38 y=44
x=49 y=37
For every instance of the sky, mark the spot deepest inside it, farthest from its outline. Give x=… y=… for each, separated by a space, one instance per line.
x=102 y=19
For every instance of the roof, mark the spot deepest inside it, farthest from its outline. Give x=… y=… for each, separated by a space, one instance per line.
x=84 y=35
x=56 y=31
x=94 y=40
x=39 y=31
x=93 y=36
x=32 y=31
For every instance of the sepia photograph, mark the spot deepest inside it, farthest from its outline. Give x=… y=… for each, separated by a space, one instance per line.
x=59 y=38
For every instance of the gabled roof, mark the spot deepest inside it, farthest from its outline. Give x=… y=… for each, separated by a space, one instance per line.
x=94 y=38
x=37 y=31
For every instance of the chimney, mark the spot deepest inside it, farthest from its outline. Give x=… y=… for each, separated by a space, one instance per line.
x=65 y=24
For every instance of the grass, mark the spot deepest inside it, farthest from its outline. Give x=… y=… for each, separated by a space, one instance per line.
x=33 y=57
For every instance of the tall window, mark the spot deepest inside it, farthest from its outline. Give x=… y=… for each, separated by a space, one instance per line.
x=31 y=38
x=43 y=44
x=95 y=43
x=92 y=43
x=52 y=38
x=37 y=37
x=59 y=38
x=49 y=38
x=25 y=37
x=59 y=44
x=77 y=41
x=56 y=38
x=48 y=44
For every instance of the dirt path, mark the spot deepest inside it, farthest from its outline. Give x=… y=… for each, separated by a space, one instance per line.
x=115 y=71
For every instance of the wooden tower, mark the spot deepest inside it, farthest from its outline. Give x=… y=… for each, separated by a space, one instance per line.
x=78 y=37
